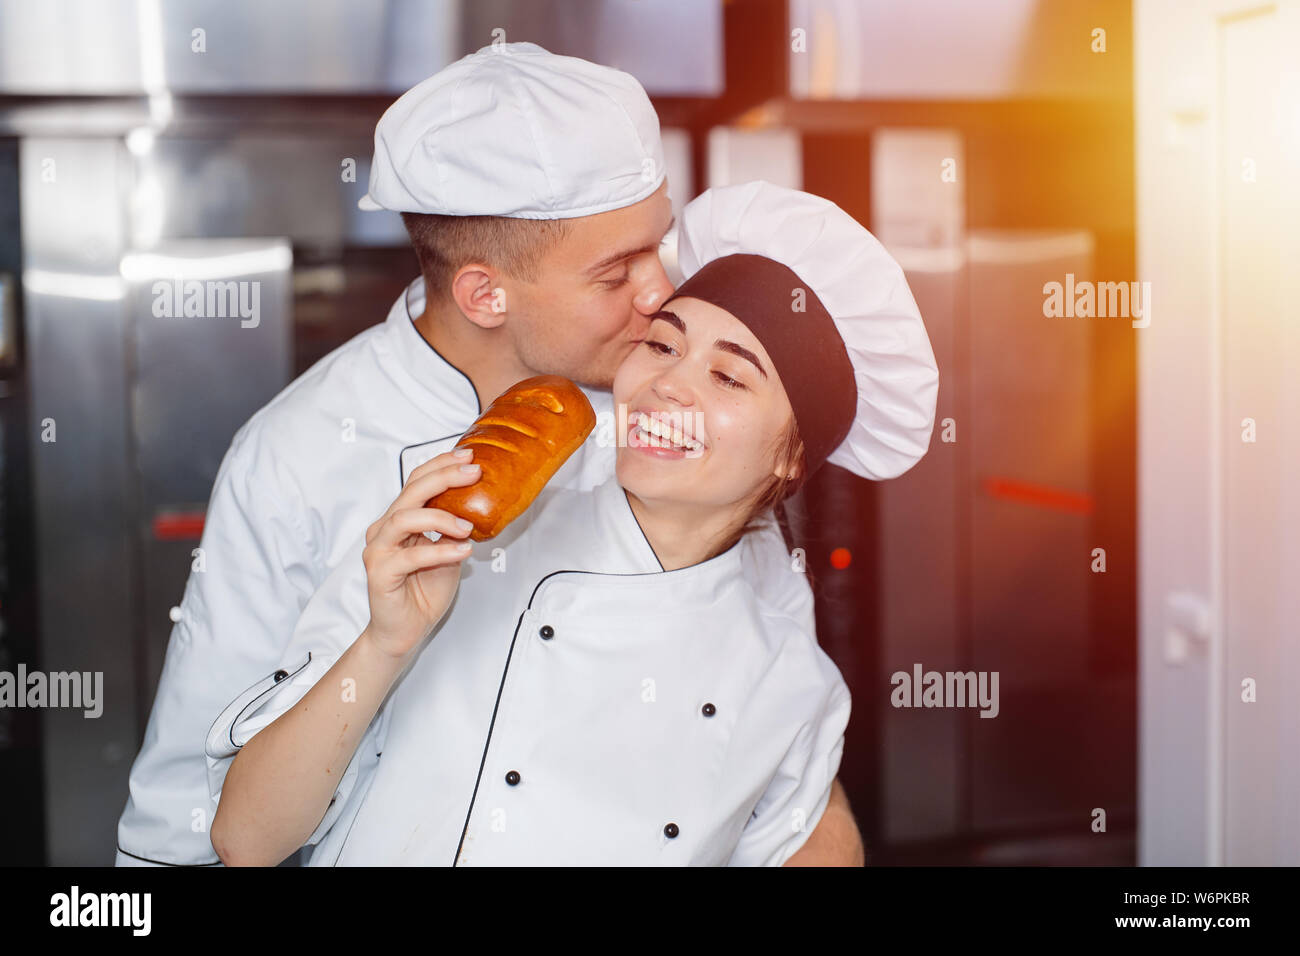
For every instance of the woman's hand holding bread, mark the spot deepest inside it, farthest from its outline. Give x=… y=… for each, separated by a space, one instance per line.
x=517 y=445
x=411 y=580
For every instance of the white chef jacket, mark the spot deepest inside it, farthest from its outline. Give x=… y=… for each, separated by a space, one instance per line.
x=302 y=480
x=577 y=706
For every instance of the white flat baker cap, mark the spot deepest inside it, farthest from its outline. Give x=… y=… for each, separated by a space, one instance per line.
x=886 y=389
x=514 y=130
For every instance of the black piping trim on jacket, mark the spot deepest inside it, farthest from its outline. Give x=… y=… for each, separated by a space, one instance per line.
x=441 y=357
x=343 y=844
x=401 y=479
x=230 y=733
x=136 y=856
x=487 y=745
x=628 y=505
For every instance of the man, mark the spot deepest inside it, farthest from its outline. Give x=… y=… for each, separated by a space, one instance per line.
x=533 y=189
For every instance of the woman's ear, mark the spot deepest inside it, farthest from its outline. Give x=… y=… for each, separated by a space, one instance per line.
x=791 y=467
x=476 y=293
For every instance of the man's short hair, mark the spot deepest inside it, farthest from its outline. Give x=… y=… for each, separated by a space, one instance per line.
x=444 y=244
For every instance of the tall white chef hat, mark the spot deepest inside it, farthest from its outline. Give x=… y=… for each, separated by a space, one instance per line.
x=514 y=130
x=833 y=311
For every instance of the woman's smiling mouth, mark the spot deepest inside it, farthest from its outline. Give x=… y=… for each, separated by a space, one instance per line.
x=660 y=435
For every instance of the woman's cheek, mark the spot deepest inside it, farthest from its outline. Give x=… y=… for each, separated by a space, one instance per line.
x=730 y=421
x=739 y=436
x=722 y=428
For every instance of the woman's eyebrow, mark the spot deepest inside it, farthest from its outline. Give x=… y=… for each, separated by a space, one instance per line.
x=672 y=318
x=675 y=320
x=743 y=352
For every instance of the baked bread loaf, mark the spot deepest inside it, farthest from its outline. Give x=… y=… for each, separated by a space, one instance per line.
x=522 y=439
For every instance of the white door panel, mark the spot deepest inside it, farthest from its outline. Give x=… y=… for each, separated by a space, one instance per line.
x=1218 y=134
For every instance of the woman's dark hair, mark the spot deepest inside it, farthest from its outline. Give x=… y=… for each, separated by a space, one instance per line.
x=787 y=447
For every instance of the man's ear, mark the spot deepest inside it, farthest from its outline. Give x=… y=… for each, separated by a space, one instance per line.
x=478 y=293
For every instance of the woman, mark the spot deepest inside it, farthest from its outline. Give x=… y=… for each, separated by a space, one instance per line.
x=603 y=685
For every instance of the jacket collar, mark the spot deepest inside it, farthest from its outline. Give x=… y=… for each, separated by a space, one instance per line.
x=437 y=382
x=429 y=378
x=639 y=586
